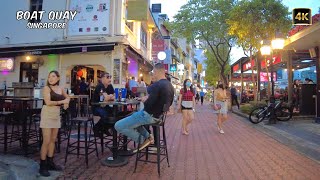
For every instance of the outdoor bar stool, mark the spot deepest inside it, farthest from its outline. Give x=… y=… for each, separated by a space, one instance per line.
x=85 y=144
x=4 y=137
x=160 y=144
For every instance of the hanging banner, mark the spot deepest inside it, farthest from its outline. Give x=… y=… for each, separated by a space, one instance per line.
x=92 y=17
x=137 y=10
x=157 y=46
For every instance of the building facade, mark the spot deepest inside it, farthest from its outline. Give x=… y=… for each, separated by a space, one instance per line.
x=101 y=37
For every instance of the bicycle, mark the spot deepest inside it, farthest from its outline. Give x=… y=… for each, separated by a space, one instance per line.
x=281 y=113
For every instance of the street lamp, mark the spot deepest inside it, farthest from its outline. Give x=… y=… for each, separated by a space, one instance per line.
x=266 y=49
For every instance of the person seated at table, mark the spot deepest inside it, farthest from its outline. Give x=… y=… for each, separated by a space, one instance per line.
x=104 y=91
x=161 y=94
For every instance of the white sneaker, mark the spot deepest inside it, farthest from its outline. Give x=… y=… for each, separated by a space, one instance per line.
x=221 y=131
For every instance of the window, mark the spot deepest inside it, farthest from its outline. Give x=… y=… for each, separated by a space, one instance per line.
x=143 y=36
x=29 y=72
x=35 y=5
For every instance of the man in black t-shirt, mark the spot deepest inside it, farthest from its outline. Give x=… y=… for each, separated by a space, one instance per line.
x=160 y=96
x=103 y=92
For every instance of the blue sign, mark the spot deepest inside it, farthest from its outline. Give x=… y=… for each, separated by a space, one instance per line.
x=173 y=67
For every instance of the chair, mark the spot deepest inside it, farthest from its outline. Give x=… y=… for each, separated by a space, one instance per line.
x=85 y=144
x=5 y=136
x=160 y=144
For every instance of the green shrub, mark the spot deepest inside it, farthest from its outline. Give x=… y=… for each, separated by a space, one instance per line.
x=258 y=103
x=246 y=108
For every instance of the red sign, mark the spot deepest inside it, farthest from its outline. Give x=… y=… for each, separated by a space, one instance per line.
x=249 y=78
x=276 y=60
x=298 y=28
x=248 y=65
x=157 y=46
x=264 y=77
x=235 y=68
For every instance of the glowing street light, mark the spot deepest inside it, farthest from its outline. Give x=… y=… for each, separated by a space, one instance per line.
x=277 y=43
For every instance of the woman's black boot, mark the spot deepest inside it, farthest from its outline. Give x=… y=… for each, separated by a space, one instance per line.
x=44 y=168
x=52 y=165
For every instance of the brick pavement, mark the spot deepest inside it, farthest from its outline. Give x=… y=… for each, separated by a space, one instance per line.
x=241 y=153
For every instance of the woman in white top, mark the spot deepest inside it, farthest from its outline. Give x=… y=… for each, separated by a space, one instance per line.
x=141 y=83
x=220 y=99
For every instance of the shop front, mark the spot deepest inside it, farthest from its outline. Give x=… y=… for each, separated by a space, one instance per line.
x=33 y=63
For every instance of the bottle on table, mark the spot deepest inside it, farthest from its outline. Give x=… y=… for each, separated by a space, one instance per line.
x=101 y=96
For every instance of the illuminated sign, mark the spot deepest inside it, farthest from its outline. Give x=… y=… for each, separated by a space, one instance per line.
x=275 y=60
x=173 y=67
x=248 y=65
x=6 y=64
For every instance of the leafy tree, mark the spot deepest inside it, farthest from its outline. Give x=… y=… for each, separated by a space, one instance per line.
x=254 y=20
x=213 y=69
x=207 y=22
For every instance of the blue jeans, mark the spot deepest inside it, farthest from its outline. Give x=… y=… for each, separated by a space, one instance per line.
x=100 y=111
x=132 y=126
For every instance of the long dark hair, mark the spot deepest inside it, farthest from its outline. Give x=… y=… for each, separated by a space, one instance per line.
x=220 y=86
x=185 y=86
x=57 y=74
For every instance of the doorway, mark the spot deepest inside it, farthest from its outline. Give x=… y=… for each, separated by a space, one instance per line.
x=29 y=72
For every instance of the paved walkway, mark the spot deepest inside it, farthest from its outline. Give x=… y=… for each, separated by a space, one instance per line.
x=241 y=153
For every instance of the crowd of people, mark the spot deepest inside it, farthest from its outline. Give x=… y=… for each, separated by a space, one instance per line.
x=160 y=96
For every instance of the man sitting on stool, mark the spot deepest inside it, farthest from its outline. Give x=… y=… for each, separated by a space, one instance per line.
x=162 y=93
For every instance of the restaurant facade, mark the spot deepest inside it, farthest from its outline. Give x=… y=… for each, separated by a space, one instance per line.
x=99 y=39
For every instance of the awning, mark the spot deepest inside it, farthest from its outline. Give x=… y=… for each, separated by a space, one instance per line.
x=55 y=49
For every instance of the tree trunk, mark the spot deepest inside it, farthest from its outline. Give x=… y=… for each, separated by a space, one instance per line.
x=223 y=77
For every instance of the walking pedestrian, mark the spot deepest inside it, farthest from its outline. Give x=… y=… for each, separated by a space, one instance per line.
x=187 y=105
x=54 y=98
x=197 y=97
x=296 y=94
x=202 y=96
x=220 y=98
x=234 y=96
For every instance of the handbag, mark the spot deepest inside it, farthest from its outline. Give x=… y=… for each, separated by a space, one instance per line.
x=216 y=107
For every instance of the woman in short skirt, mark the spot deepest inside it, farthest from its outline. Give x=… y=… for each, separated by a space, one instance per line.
x=54 y=98
x=220 y=99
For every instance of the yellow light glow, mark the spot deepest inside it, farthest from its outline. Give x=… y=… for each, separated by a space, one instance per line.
x=277 y=43
x=141 y=75
x=265 y=50
x=28 y=58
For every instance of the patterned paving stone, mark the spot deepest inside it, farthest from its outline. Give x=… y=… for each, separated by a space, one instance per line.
x=241 y=153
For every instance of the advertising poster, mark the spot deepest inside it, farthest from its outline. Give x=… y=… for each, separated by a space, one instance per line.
x=92 y=17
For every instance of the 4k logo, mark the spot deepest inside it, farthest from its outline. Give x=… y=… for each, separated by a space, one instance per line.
x=301 y=16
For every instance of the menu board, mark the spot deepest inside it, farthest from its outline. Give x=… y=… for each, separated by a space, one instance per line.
x=6 y=64
x=92 y=17
x=116 y=71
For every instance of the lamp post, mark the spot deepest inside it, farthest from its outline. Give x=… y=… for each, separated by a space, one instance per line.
x=266 y=49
